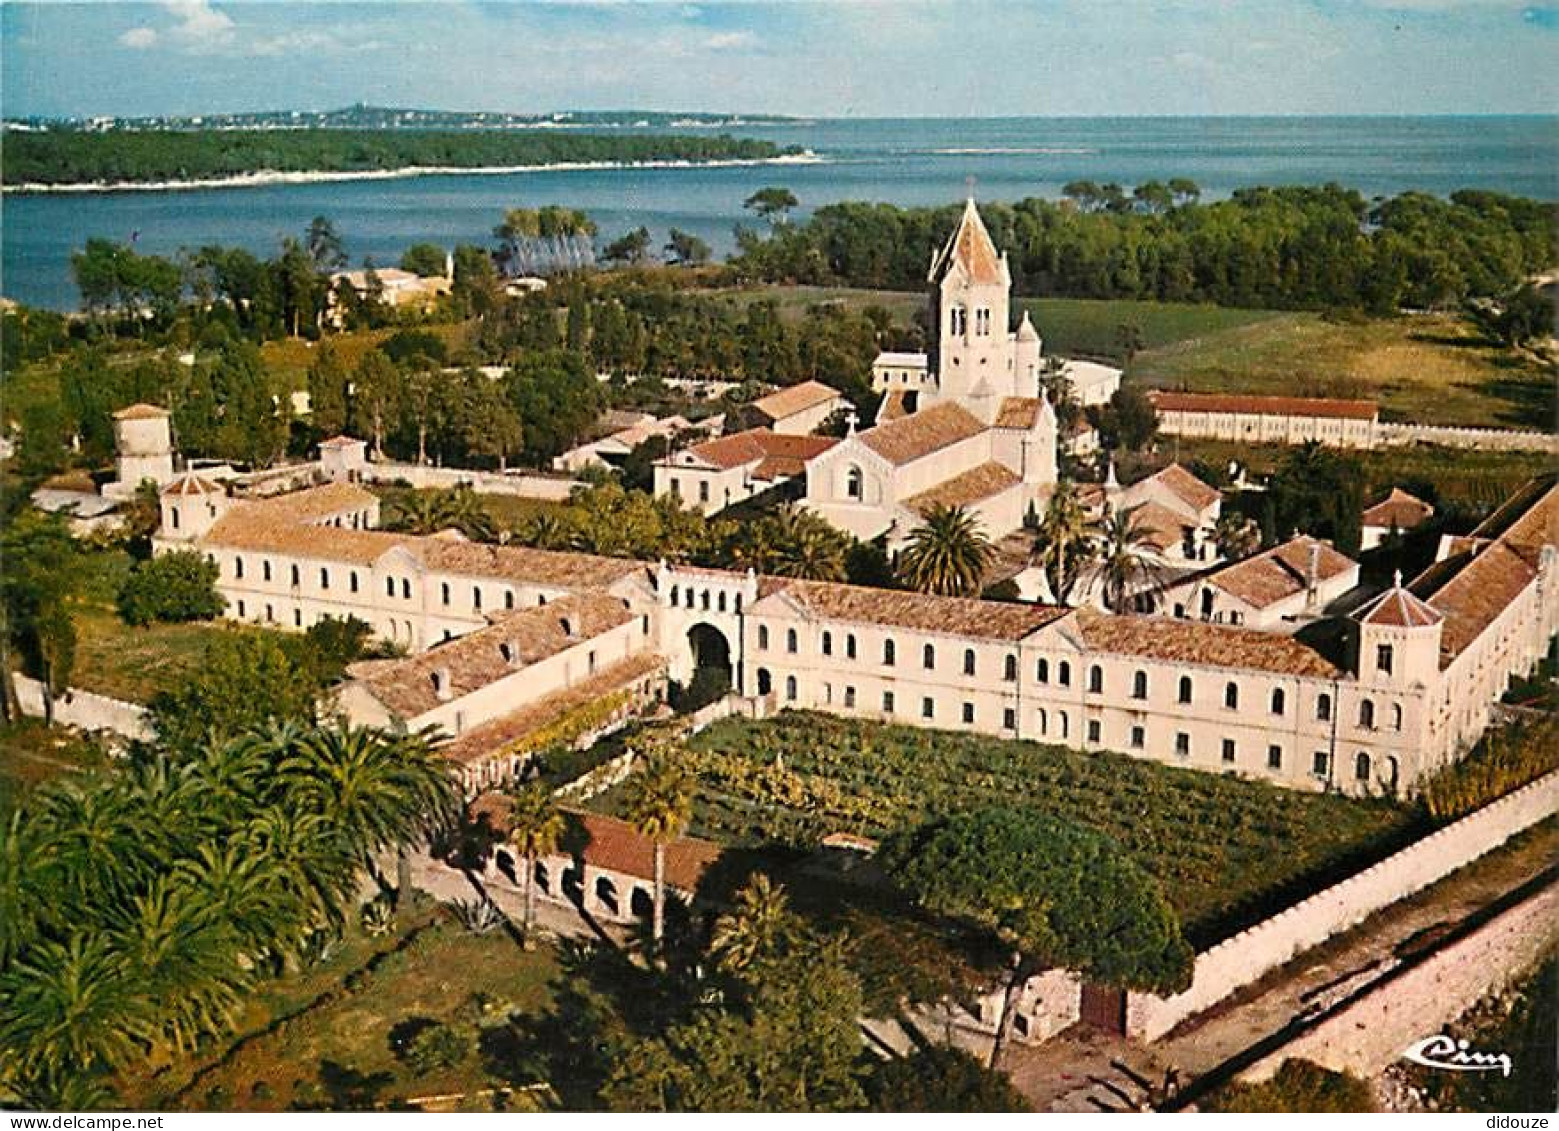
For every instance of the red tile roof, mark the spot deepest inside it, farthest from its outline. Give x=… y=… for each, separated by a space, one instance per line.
x=796 y=398
x=759 y=444
x=1198 y=642
x=954 y=616
x=1017 y=412
x=964 y=490
x=1280 y=572
x=1186 y=487
x=912 y=437
x=1398 y=608
x=1398 y=509
x=141 y=412
x=1166 y=401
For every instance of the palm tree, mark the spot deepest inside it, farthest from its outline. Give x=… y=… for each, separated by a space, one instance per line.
x=1125 y=557
x=548 y=532
x=1062 y=542
x=377 y=790
x=428 y=512
x=758 y=925
x=72 y=1008
x=658 y=802
x=947 y=554
x=535 y=827
x=804 y=546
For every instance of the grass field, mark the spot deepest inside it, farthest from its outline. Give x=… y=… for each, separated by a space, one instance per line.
x=1228 y=852
x=1426 y=368
x=322 y=1038
x=124 y=661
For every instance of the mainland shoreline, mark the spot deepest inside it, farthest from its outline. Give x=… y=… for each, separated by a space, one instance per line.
x=270 y=177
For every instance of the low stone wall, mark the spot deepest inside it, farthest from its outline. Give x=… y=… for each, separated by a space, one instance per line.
x=555 y=490
x=1370 y=1033
x=1245 y=957
x=598 y=780
x=1485 y=439
x=86 y=709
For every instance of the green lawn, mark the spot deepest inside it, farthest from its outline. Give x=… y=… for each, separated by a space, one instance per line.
x=1228 y=852
x=322 y=1038
x=1427 y=368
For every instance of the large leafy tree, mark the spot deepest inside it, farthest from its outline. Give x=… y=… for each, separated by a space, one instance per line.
x=40 y=574
x=941 y=1078
x=947 y=554
x=1318 y=491
x=1057 y=893
x=176 y=586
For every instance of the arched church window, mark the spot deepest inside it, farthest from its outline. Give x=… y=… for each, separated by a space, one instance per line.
x=854 y=484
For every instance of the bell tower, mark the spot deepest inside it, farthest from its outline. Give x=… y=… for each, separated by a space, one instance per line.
x=971 y=348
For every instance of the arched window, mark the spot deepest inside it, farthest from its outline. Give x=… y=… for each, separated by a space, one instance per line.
x=1010 y=669
x=506 y=650
x=1323 y=707
x=1096 y=679
x=1396 y=716
x=1361 y=767
x=674 y=590
x=854 y=484
x=790 y=688
x=508 y=598
x=1231 y=695
x=828 y=643
x=1064 y=677
x=889 y=653
x=763 y=636
x=1367 y=714
x=722 y=601
x=928 y=657
x=1279 y=701
x=297 y=578
x=1139 y=685
x=1044 y=722
x=792 y=644
x=703 y=600
x=1061 y=718
x=238 y=567
x=1185 y=689
x=968 y=661
x=1042 y=671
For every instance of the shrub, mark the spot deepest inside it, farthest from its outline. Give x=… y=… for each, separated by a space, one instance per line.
x=437 y=1046
x=1504 y=761
x=179 y=586
x=1299 y=1086
x=941 y=1078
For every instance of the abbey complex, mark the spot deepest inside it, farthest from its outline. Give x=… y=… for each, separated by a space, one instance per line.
x=1247 y=667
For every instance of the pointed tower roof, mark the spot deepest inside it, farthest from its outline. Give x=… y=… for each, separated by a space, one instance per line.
x=1398 y=608
x=1026 y=331
x=970 y=249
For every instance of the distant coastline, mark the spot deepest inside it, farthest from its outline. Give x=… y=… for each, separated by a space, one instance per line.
x=267 y=177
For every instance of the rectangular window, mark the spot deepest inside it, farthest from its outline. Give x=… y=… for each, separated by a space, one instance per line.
x=297 y=618
x=887 y=702
x=1320 y=765
x=849 y=697
x=968 y=712
x=1383 y=658
x=1183 y=744
x=1094 y=730
x=928 y=708
x=1228 y=750
x=324 y=579
x=1009 y=719
x=703 y=491
x=1139 y=738
x=240 y=610
x=352 y=581
x=1274 y=757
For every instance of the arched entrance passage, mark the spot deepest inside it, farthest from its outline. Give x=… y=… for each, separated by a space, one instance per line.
x=712 y=674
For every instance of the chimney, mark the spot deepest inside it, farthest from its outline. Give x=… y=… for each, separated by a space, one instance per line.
x=1312 y=573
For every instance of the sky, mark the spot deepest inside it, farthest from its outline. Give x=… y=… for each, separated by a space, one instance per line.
x=866 y=58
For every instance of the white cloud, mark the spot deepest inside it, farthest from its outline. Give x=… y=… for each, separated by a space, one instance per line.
x=139 y=38
x=730 y=40
x=200 y=26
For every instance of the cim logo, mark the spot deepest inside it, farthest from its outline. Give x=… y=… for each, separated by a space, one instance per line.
x=1443 y=1051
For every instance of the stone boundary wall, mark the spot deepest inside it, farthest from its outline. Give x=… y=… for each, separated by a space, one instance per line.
x=555 y=490
x=86 y=709
x=1486 y=439
x=1371 y=1032
x=1248 y=955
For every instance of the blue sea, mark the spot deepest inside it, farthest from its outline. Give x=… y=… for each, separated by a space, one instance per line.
x=902 y=161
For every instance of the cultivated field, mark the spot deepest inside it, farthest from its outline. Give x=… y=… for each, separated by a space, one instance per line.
x=1227 y=851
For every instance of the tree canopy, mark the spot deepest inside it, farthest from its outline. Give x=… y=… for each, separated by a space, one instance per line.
x=1061 y=894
